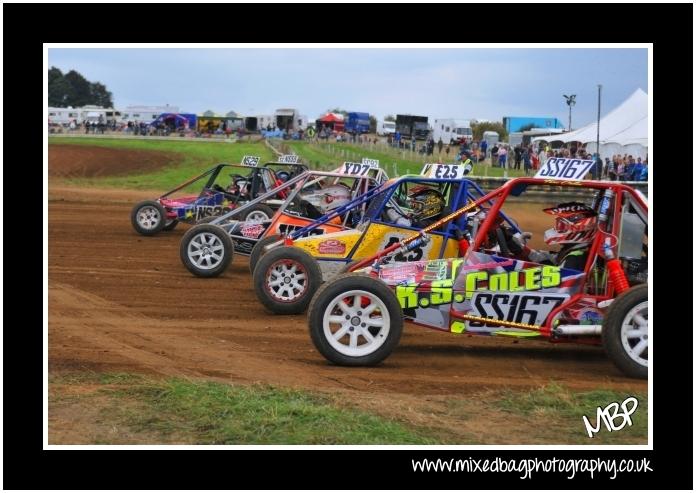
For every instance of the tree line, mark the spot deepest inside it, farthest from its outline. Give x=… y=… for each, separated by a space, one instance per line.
x=72 y=89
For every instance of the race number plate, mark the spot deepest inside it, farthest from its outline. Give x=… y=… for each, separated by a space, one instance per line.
x=360 y=169
x=251 y=161
x=527 y=307
x=449 y=171
x=289 y=159
x=372 y=163
x=564 y=168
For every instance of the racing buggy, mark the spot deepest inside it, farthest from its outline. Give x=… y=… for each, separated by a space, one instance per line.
x=290 y=272
x=313 y=204
x=247 y=181
x=593 y=290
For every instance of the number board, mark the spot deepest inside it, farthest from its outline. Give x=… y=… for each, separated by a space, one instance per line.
x=360 y=169
x=372 y=163
x=289 y=159
x=437 y=170
x=565 y=168
x=251 y=161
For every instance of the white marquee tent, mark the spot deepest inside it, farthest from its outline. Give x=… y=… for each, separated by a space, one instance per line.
x=624 y=130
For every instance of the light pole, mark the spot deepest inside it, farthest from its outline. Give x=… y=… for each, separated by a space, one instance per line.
x=570 y=101
x=599 y=106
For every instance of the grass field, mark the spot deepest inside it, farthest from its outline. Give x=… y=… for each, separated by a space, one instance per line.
x=133 y=408
x=195 y=157
x=191 y=158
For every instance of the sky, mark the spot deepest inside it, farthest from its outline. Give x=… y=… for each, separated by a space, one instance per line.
x=481 y=83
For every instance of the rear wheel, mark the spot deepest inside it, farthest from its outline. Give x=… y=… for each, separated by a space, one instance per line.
x=355 y=320
x=148 y=217
x=285 y=279
x=206 y=250
x=625 y=331
x=259 y=250
x=258 y=214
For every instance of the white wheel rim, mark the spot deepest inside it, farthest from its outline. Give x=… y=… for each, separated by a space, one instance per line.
x=257 y=217
x=205 y=251
x=286 y=281
x=169 y=222
x=148 y=217
x=353 y=329
x=634 y=333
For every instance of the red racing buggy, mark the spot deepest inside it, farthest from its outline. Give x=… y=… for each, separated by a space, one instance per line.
x=593 y=290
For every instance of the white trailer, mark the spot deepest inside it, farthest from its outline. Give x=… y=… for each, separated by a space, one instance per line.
x=452 y=130
x=145 y=114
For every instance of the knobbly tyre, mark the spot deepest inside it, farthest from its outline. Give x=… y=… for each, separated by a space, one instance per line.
x=313 y=203
x=152 y=216
x=495 y=289
x=395 y=211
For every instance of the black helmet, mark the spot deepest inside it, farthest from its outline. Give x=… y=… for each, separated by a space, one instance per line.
x=425 y=202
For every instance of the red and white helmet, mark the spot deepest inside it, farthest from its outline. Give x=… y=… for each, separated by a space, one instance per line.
x=575 y=223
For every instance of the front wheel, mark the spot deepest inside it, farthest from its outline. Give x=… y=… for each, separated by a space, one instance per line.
x=355 y=320
x=625 y=331
x=206 y=250
x=148 y=217
x=285 y=279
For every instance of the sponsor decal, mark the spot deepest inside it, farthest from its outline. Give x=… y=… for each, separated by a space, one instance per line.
x=332 y=246
x=253 y=230
x=286 y=229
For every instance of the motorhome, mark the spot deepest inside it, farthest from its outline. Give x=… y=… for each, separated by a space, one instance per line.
x=452 y=131
x=63 y=116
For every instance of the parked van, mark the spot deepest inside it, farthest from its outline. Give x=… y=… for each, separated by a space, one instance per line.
x=386 y=128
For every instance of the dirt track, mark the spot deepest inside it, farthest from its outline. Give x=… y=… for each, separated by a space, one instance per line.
x=120 y=301
x=67 y=160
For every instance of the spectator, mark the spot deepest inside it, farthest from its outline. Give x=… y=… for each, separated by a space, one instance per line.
x=447 y=149
x=439 y=146
x=494 y=155
x=518 y=156
x=526 y=158
x=484 y=148
x=610 y=168
x=542 y=156
x=502 y=156
x=637 y=170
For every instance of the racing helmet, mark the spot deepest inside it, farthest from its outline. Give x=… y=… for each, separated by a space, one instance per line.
x=575 y=223
x=283 y=176
x=425 y=202
x=329 y=198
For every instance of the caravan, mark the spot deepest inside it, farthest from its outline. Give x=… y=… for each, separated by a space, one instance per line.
x=452 y=131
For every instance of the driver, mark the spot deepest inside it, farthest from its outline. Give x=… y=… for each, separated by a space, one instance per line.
x=427 y=205
x=574 y=230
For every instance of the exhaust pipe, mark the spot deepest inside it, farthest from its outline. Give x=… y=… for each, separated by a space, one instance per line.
x=578 y=330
